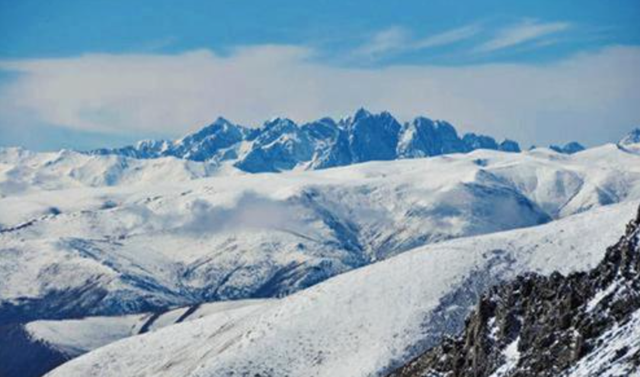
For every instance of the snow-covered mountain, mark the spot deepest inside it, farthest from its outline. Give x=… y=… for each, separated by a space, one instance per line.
x=365 y=322
x=280 y=144
x=149 y=246
x=122 y=234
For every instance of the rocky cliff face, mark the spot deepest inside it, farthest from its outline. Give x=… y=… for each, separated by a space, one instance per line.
x=586 y=323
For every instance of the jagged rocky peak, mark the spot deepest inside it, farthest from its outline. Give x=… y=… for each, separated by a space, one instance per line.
x=280 y=145
x=275 y=129
x=509 y=146
x=208 y=142
x=325 y=129
x=360 y=114
x=320 y=144
x=417 y=138
x=569 y=148
x=424 y=137
x=474 y=141
x=220 y=125
x=584 y=324
x=632 y=137
x=373 y=136
x=280 y=124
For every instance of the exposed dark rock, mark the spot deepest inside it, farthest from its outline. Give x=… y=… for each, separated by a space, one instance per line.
x=549 y=322
x=473 y=142
x=509 y=146
x=569 y=148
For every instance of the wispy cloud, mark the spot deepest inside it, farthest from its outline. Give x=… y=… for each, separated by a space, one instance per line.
x=398 y=39
x=383 y=42
x=448 y=37
x=525 y=31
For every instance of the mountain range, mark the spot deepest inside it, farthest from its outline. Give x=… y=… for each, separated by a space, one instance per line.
x=280 y=144
x=120 y=262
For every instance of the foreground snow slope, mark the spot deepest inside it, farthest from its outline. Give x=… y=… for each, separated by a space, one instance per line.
x=134 y=248
x=367 y=321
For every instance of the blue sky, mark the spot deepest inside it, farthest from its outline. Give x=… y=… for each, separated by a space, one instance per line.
x=80 y=74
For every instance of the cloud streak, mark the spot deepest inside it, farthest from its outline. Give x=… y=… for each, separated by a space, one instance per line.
x=397 y=39
x=521 y=33
x=386 y=41
x=449 y=37
x=594 y=94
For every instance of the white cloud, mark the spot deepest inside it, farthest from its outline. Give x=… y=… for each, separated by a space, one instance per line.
x=589 y=96
x=523 y=32
x=448 y=37
x=397 y=39
x=389 y=40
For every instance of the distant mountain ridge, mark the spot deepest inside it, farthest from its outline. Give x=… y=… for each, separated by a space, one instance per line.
x=281 y=144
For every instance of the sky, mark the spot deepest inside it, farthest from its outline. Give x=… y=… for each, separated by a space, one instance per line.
x=86 y=74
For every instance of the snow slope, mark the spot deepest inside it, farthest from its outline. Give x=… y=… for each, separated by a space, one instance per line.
x=74 y=337
x=366 y=321
x=134 y=248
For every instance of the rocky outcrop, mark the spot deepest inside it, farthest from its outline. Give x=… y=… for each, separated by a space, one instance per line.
x=548 y=325
x=569 y=148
